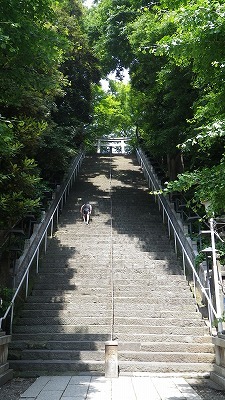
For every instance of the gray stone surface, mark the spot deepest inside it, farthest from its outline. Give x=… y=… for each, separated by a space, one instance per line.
x=96 y=388
x=71 y=301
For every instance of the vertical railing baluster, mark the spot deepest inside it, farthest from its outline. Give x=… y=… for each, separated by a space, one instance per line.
x=27 y=284
x=37 y=261
x=44 y=236
x=52 y=226
x=46 y=239
x=12 y=316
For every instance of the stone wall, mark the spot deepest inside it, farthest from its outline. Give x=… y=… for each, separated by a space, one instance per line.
x=218 y=373
x=5 y=373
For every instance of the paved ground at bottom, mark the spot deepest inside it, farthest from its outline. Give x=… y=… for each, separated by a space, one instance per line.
x=101 y=388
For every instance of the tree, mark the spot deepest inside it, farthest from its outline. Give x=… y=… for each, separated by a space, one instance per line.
x=112 y=114
x=175 y=54
x=45 y=63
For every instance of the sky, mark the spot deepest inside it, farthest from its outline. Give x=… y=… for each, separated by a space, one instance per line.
x=88 y=3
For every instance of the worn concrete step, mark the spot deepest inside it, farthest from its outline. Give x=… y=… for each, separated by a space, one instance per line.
x=57 y=314
x=55 y=355
x=117 y=247
x=174 y=347
x=87 y=329
x=87 y=287
x=72 y=285
x=158 y=309
x=70 y=297
x=70 y=256
x=56 y=345
x=123 y=346
x=97 y=298
x=147 y=237
x=169 y=357
x=31 y=338
x=98 y=312
x=130 y=277
x=142 y=338
x=147 y=329
x=65 y=307
x=165 y=367
x=82 y=297
x=123 y=262
x=106 y=320
x=65 y=320
x=36 y=368
x=151 y=288
x=128 y=281
x=118 y=330
x=81 y=291
x=120 y=270
x=161 y=299
x=96 y=355
x=160 y=322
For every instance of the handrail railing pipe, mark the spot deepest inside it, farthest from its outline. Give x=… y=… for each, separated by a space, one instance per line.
x=42 y=234
x=188 y=255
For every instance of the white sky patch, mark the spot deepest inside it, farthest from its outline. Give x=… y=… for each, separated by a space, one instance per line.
x=112 y=76
x=88 y=3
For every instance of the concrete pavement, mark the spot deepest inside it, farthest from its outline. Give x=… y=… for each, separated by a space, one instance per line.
x=101 y=388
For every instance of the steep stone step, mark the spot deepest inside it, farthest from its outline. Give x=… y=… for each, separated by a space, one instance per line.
x=106 y=320
x=172 y=300
x=118 y=330
x=149 y=347
x=68 y=316
x=55 y=345
x=103 y=280
x=158 y=309
x=170 y=357
x=96 y=355
x=36 y=368
x=90 y=329
x=68 y=320
x=164 y=347
x=104 y=286
x=126 y=300
x=36 y=339
x=165 y=367
x=100 y=312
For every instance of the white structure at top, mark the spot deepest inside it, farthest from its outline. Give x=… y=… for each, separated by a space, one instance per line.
x=113 y=145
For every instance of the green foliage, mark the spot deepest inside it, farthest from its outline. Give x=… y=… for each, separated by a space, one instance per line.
x=46 y=72
x=206 y=184
x=112 y=114
x=5 y=299
x=175 y=54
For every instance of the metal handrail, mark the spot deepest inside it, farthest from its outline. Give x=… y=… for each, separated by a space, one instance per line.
x=42 y=233
x=173 y=225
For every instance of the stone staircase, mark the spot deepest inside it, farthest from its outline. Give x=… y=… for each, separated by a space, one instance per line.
x=68 y=316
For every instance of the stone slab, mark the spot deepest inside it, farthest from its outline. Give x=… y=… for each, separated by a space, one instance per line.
x=100 y=388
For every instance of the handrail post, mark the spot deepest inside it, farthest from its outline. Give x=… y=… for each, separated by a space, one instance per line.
x=46 y=239
x=11 y=317
x=180 y=239
x=37 y=261
x=215 y=276
x=57 y=215
x=27 y=283
x=52 y=226
x=42 y=234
